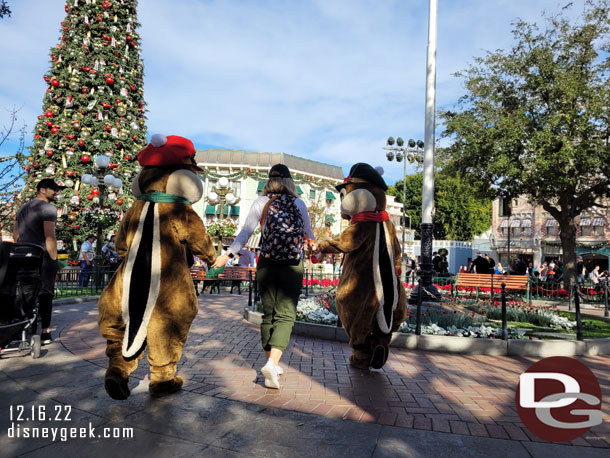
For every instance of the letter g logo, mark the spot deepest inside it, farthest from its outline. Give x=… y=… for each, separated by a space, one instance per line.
x=559 y=399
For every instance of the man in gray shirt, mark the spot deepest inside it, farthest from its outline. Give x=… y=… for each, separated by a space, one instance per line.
x=35 y=223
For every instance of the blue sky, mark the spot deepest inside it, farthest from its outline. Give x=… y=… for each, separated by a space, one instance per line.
x=329 y=80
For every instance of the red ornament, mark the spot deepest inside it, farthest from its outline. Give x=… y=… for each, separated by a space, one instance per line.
x=54 y=129
x=54 y=83
x=81 y=143
x=84 y=90
x=119 y=201
x=86 y=69
x=77 y=226
x=50 y=124
x=85 y=158
x=108 y=127
x=27 y=169
x=49 y=114
x=95 y=192
x=127 y=157
x=118 y=100
x=46 y=78
x=36 y=165
x=109 y=80
x=49 y=153
x=133 y=138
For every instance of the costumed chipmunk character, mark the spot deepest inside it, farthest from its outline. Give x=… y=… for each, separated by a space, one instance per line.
x=150 y=301
x=371 y=299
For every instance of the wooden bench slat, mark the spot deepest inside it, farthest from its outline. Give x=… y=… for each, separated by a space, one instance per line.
x=473 y=280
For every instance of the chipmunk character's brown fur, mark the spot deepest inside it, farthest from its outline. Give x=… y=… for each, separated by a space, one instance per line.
x=150 y=301
x=371 y=299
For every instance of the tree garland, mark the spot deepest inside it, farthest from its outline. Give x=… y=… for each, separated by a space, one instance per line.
x=581 y=244
x=247 y=172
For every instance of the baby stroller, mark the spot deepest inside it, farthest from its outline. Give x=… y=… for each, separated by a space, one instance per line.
x=20 y=265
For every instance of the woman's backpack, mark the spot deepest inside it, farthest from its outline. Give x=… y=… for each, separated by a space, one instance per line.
x=283 y=232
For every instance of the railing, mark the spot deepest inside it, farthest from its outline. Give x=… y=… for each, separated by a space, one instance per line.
x=70 y=281
x=588 y=291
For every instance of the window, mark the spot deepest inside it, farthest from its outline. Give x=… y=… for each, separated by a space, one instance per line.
x=505 y=231
x=312 y=193
x=585 y=226
x=526 y=226
x=598 y=226
x=551 y=230
x=516 y=231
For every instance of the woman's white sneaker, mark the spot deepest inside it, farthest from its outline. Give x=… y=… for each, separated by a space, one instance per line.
x=270 y=373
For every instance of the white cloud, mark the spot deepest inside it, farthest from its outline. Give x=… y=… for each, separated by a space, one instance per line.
x=329 y=80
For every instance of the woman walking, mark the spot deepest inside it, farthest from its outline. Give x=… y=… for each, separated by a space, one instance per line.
x=284 y=226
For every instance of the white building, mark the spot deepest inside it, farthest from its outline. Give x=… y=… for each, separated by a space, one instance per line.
x=247 y=173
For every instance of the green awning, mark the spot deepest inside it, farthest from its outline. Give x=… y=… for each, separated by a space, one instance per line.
x=210 y=209
x=299 y=190
x=330 y=196
x=261 y=185
x=330 y=219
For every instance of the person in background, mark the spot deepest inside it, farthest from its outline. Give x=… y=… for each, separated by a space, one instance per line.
x=109 y=253
x=580 y=271
x=35 y=223
x=280 y=266
x=491 y=264
x=498 y=270
x=85 y=258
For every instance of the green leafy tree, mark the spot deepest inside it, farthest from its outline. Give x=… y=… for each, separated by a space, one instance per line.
x=460 y=213
x=535 y=120
x=93 y=105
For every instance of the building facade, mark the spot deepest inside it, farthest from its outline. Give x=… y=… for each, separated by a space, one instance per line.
x=247 y=173
x=533 y=233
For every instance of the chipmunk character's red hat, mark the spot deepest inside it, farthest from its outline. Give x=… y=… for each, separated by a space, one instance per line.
x=167 y=150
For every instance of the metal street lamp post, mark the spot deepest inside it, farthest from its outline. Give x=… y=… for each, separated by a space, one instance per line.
x=425 y=287
x=103 y=181
x=411 y=153
x=221 y=195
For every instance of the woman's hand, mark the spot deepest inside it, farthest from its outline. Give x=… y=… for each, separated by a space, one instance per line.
x=220 y=261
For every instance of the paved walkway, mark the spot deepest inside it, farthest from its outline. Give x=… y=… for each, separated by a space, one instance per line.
x=420 y=404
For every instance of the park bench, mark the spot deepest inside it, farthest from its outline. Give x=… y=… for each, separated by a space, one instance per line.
x=198 y=274
x=492 y=282
x=238 y=274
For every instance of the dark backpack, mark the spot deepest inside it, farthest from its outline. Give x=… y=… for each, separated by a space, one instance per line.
x=283 y=232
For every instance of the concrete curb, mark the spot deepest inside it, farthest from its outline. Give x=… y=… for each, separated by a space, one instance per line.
x=75 y=300
x=459 y=345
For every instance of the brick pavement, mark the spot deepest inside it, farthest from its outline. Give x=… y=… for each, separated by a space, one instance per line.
x=460 y=394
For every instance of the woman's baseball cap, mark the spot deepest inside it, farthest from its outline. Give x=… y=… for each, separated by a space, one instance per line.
x=279 y=171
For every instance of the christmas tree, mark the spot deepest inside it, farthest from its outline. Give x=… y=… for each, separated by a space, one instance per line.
x=93 y=106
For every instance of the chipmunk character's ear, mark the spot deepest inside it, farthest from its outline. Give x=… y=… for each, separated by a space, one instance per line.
x=135 y=186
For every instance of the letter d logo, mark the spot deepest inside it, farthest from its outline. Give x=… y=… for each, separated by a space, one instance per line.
x=559 y=399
